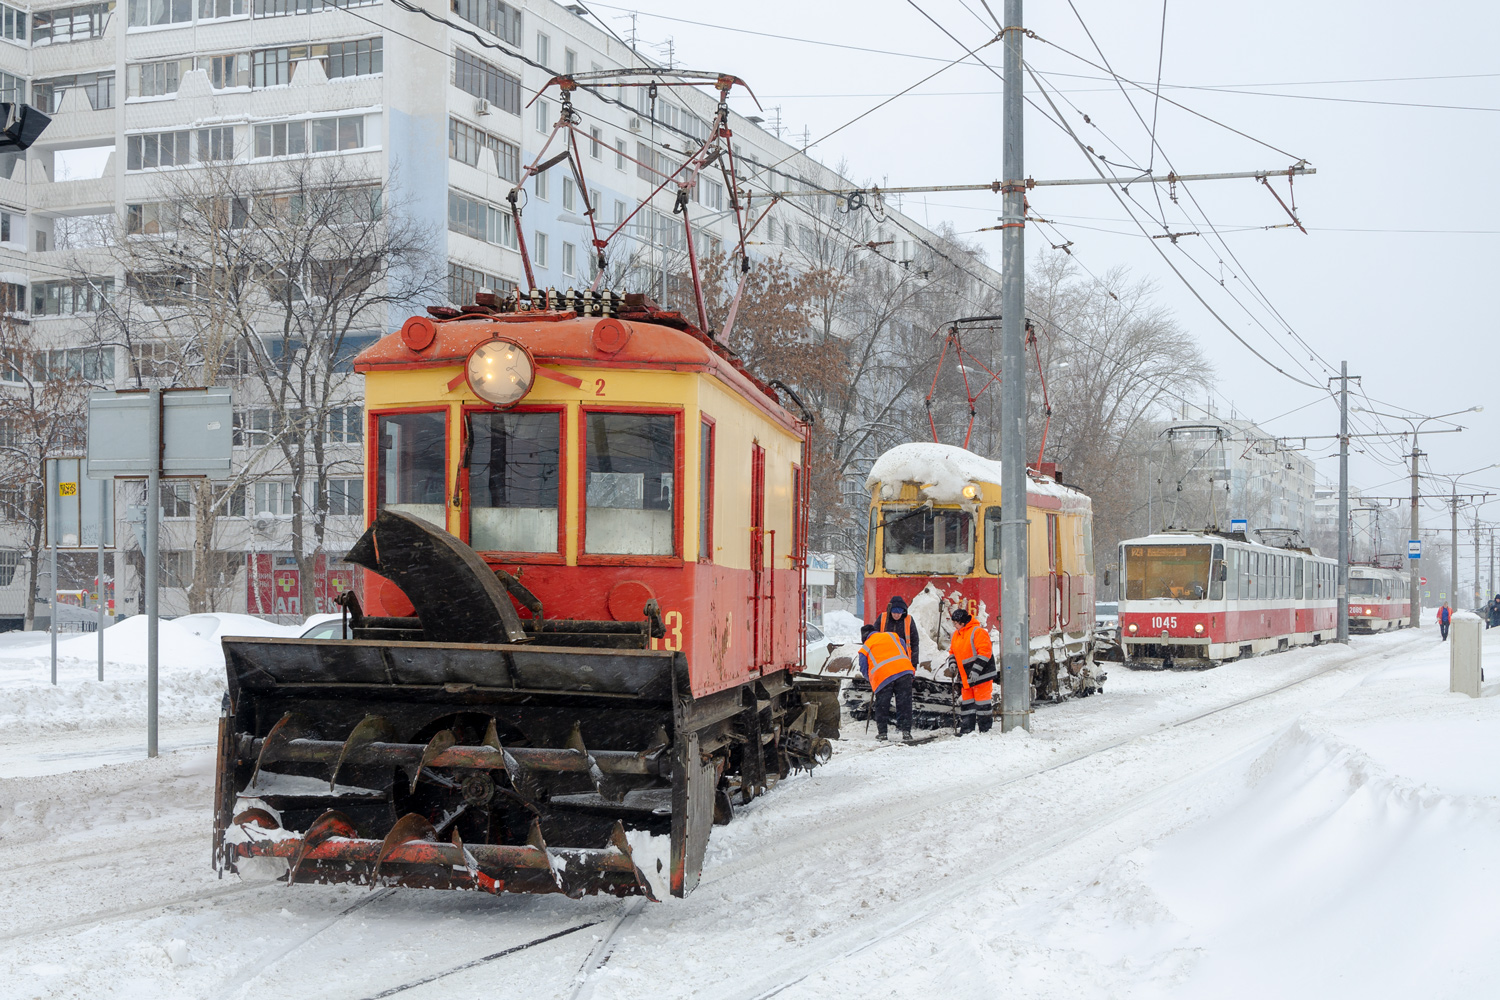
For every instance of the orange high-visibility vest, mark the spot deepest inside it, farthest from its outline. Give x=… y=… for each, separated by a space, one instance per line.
x=973 y=653
x=887 y=659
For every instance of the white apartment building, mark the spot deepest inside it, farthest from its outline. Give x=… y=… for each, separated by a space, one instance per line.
x=435 y=95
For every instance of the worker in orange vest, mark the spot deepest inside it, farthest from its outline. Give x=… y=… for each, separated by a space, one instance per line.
x=896 y=620
x=885 y=664
x=975 y=656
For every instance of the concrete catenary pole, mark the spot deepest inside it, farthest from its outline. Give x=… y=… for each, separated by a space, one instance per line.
x=1414 y=566
x=1453 y=555
x=104 y=484
x=1015 y=624
x=54 y=484
x=1343 y=583
x=153 y=524
x=1477 y=599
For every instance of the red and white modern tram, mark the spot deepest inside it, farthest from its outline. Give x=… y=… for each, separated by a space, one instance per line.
x=1378 y=599
x=1196 y=599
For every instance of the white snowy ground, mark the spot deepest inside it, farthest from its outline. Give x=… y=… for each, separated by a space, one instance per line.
x=1318 y=823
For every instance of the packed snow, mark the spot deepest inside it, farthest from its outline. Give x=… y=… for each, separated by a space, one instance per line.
x=942 y=471
x=1332 y=831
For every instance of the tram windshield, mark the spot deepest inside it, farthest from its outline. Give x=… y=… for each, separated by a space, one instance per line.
x=928 y=540
x=1364 y=587
x=1166 y=571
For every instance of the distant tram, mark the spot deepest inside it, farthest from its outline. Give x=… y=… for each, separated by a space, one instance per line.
x=1196 y=599
x=1379 y=599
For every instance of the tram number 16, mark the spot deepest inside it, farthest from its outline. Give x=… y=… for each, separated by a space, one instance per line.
x=1163 y=621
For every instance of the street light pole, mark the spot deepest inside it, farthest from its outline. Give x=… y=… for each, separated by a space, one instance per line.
x=1342 y=634
x=1453 y=557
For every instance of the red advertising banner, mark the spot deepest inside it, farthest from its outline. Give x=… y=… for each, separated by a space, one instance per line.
x=273 y=584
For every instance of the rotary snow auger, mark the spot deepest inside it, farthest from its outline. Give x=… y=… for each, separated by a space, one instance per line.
x=470 y=747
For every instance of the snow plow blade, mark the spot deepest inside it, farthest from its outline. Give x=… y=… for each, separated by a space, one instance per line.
x=518 y=766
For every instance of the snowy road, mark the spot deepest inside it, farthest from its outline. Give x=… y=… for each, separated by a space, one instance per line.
x=1172 y=837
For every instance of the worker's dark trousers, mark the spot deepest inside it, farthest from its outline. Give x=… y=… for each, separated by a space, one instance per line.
x=899 y=688
x=1443 y=627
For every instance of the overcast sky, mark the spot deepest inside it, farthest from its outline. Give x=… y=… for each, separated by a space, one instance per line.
x=1412 y=312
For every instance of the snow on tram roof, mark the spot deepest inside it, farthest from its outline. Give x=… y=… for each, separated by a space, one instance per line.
x=945 y=470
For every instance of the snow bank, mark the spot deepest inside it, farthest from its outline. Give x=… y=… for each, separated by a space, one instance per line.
x=841 y=626
x=943 y=470
x=191 y=674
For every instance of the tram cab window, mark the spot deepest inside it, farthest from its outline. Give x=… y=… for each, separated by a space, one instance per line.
x=992 y=540
x=1154 y=572
x=870 y=544
x=936 y=541
x=630 y=491
x=1361 y=587
x=412 y=477
x=514 y=474
x=1217 y=573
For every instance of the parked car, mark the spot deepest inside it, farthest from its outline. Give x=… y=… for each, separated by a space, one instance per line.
x=324 y=627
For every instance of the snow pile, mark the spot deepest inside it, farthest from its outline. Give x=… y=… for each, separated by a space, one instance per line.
x=943 y=470
x=841 y=626
x=190 y=666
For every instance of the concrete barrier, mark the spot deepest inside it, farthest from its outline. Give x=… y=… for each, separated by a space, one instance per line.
x=1465 y=668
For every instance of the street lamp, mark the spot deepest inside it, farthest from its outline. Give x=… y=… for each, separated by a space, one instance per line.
x=1415 y=423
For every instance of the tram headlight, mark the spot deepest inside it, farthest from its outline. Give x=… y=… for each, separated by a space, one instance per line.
x=1131 y=628
x=1198 y=629
x=500 y=372
x=971 y=492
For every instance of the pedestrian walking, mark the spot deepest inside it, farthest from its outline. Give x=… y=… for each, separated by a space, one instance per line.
x=1444 y=616
x=1494 y=608
x=896 y=620
x=975 y=656
x=884 y=663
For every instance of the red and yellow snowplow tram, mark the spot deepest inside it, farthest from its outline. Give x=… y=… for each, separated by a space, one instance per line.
x=1198 y=599
x=935 y=520
x=581 y=618
x=1379 y=599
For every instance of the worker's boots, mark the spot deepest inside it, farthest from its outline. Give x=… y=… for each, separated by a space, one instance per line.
x=906 y=736
x=881 y=736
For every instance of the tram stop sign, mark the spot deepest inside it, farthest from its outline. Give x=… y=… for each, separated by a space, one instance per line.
x=1414 y=549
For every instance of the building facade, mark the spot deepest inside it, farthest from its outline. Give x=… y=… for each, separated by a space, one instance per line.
x=437 y=100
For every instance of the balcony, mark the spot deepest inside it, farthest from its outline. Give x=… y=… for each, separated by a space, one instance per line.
x=76 y=123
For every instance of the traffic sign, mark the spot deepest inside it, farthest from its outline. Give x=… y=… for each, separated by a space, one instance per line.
x=1422 y=581
x=1414 y=549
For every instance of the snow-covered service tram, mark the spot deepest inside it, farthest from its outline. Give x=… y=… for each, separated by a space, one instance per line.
x=1379 y=599
x=934 y=540
x=1196 y=599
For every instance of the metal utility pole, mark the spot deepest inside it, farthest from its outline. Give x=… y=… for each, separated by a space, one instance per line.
x=52 y=532
x=153 y=525
x=1477 y=598
x=99 y=581
x=1492 y=560
x=1343 y=581
x=1413 y=565
x=1015 y=624
x=1453 y=556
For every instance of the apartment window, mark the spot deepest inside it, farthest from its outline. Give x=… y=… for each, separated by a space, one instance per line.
x=158 y=149
x=270 y=68
x=92 y=364
x=596 y=143
x=5 y=227
x=358 y=58
x=12 y=88
x=99 y=88
x=13 y=300
x=346 y=497
x=619 y=154
x=569 y=259
x=176 y=501
x=570 y=61
x=12 y=23
x=255 y=427
x=499 y=19
x=540 y=184
x=710 y=194
x=176 y=567
x=64 y=298
x=229 y=71
x=318 y=135
x=342 y=425
x=465 y=282
x=272 y=497
x=153 y=359
x=469 y=216
x=543 y=115
x=473 y=75
x=570 y=194
x=148 y=12
x=210 y=9
x=465 y=142
x=150 y=217
x=155 y=79
x=41 y=241
x=70 y=24
x=10 y=560
x=543 y=49
x=619 y=212
x=216 y=143
x=541 y=249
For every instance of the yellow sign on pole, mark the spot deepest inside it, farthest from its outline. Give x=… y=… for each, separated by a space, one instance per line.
x=67 y=489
